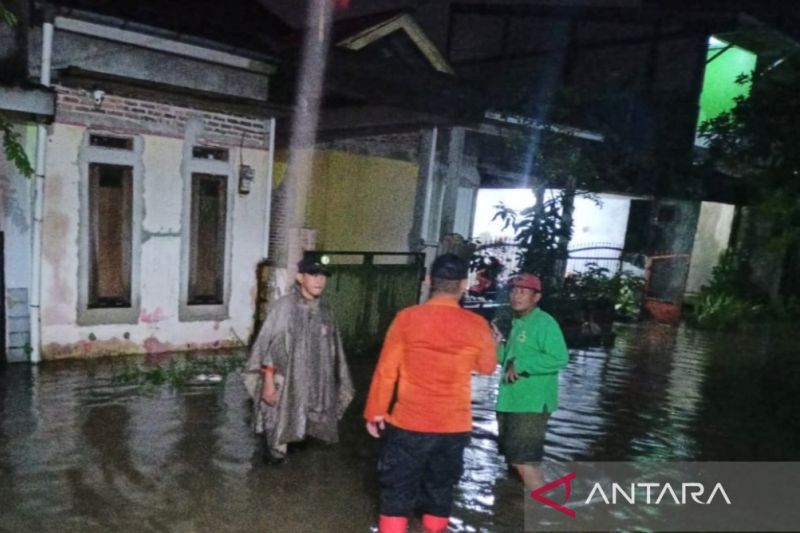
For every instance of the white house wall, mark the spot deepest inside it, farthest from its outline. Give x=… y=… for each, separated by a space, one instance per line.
x=15 y=213
x=604 y=221
x=711 y=239
x=158 y=326
x=599 y=222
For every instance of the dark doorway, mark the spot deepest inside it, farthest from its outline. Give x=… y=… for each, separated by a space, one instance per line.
x=637 y=236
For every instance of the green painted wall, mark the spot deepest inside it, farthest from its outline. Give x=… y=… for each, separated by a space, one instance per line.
x=719 y=84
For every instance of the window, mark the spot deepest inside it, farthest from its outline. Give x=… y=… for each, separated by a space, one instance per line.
x=206 y=152
x=207 y=239
x=110 y=230
x=106 y=141
x=110 y=237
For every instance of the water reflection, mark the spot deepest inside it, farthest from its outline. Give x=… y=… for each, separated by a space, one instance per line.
x=748 y=398
x=78 y=453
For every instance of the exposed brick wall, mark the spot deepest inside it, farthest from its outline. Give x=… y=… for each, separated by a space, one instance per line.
x=132 y=115
x=402 y=146
x=277 y=225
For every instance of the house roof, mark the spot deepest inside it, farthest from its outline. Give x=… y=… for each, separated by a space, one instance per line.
x=244 y=24
x=383 y=73
x=27 y=98
x=373 y=29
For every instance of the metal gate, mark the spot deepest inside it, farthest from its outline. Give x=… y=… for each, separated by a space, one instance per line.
x=665 y=284
x=366 y=290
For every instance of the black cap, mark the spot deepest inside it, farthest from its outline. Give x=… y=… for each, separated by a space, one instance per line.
x=313 y=266
x=449 y=266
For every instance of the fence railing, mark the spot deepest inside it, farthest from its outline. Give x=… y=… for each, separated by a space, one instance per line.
x=603 y=255
x=579 y=255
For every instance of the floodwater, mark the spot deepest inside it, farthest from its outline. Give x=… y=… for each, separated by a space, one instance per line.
x=80 y=453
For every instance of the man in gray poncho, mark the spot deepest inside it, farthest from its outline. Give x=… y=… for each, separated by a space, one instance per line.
x=297 y=374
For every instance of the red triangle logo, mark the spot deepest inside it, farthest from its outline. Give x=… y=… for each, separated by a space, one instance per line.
x=565 y=480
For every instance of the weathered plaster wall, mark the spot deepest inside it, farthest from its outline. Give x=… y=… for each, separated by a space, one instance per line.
x=362 y=202
x=158 y=327
x=15 y=207
x=604 y=222
x=401 y=146
x=711 y=239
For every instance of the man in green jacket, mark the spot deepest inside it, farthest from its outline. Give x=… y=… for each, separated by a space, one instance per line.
x=531 y=358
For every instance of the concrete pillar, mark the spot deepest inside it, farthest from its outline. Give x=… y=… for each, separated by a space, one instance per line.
x=452 y=181
x=467 y=197
x=420 y=235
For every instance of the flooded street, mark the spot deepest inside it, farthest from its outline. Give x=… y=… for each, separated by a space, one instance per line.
x=79 y=453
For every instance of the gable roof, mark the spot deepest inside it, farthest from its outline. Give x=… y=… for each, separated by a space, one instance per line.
x=402 y=22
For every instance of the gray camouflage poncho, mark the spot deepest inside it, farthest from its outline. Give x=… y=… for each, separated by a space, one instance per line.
x=300 y=340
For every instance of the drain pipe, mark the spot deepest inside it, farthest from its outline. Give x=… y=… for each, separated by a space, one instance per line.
x=38 y=205
x=268 y=202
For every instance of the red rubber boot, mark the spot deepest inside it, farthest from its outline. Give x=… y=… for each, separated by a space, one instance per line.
x=435 y=524
x=392 y=524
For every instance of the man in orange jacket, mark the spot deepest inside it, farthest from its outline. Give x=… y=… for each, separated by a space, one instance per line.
x=429 y=353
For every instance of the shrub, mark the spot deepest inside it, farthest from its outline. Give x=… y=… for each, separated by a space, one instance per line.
x=730 y=299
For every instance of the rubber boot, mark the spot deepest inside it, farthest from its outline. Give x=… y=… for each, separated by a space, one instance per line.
x=392 y=524
x=434 y=524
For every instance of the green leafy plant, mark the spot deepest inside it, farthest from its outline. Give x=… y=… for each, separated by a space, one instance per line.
x=629 y=296
x=596 y=288
x=724 y=312
x=7 y=17
x=731 y=276
x=756 y=145
x=12 y=147
x=176 y=373
x=730 y=300
x=538 y=232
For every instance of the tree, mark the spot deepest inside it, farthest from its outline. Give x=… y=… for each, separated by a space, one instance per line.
x=576 y=162
x=539 y=233
x=756 y=143
x=12 y=147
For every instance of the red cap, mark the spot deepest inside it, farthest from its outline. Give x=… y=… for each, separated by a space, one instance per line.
x=527 y=281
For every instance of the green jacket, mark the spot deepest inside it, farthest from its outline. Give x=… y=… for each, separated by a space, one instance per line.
x=537 y=347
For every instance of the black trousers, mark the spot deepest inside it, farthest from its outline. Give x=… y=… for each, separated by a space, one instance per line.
x=418 y=471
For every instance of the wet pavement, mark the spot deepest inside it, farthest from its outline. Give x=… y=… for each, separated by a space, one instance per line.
x=81 y=453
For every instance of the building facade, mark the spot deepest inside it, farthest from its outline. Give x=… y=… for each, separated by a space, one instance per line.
x=155 y=197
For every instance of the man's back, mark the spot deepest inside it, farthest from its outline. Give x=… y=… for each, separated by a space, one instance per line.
x=432 y=348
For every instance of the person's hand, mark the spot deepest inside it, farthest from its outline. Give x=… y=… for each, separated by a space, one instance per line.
x=496 y=334
x=511 y=373
x=269 y=393
x=375 y=426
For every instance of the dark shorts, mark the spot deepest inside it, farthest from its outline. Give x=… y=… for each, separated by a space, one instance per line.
x=521 y=436
x=418 y=471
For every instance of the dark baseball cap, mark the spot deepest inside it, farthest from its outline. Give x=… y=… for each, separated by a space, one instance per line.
x=312 y=266
x=449 y=266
